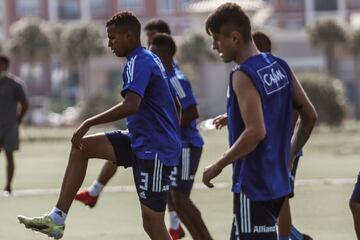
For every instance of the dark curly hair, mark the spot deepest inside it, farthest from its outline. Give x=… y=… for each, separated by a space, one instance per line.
x=262 y=41
x=165 y=41
x=158 y=25
x=126 y=20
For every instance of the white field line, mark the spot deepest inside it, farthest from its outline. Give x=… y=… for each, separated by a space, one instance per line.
x=220 y=185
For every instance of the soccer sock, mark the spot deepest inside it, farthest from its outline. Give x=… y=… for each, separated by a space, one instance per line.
x=57 y=216
x=295 y=234
x=95 y=189
x=284 y=238
x=174 y=220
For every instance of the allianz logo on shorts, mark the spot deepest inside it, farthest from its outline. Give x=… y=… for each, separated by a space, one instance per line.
x=142 y=195
x=274 y=78
x=264 y=229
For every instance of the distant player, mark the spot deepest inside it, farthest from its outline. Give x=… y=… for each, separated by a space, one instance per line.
x=151 y=147
x=261 y=96
x=355 y=206
x=262 y=41
x=12 y=98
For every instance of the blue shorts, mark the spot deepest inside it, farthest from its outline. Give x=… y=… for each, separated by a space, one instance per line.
x=183 y=175
x=255 y=220
x=355 y=197
x=9 y=136
x=151 y=177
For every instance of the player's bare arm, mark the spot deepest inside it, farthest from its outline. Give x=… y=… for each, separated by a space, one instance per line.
x=129 y=106
x=24 y=106
x=188 y=115
x=307 y=117
x=251 y=111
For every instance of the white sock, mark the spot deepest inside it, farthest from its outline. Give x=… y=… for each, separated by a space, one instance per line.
x=58 y=216
x=174 y=220
x=95 y=189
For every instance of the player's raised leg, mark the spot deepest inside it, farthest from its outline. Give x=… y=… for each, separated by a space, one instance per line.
x=53 y=224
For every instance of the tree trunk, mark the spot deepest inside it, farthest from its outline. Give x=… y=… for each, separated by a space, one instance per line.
x=84 y=83
x=331 y=67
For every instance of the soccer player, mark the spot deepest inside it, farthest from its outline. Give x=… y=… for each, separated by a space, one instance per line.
x=285 y=227
x=12 y=95
x=151 y=147
x=355 y=207
x=191 y=153
x=183 y=175
x=262 y=94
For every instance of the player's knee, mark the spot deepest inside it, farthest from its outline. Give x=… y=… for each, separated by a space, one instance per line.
x=77 y=154
x=181 y=201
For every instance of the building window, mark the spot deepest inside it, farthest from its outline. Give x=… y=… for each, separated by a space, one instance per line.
x=295 y=2
x=69 y=9
x=2 y=15
x=27 y=8
x=166 y=6
x=185 y=3
x=132 y=5
x=326 y=5
x=98 y=8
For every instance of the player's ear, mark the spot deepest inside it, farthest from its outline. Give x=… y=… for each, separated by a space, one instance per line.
x=129 y=36
x=235 y=36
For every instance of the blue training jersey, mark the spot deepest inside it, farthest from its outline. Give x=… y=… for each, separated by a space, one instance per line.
x=190 y=134
x=154 y=128
x=263 y=174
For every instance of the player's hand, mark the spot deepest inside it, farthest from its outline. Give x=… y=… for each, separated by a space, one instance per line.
x=79 y=134
x=220 y=121
x=209 y=173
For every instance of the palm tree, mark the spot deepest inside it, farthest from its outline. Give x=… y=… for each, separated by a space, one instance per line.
x=354 y=44
x=196 y=43
x=30 y=44
x=328 y=35
x=80 y=42
x=193 y=51
x=29 y=40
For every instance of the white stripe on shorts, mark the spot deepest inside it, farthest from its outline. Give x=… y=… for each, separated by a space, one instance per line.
x=154 y=175
x=185 y=172
x=157 y=175
x=245 y=214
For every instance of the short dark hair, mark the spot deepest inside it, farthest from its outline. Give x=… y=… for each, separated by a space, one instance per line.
x=4 y=60
x=262 y=41
x=164 y=40
x=231 y=16
x=158 y=25
x=127 y=20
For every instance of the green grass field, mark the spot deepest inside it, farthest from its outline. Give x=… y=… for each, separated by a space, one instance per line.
x=320 y=209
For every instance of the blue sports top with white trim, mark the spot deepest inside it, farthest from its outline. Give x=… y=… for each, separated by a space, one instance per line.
x=190 y=134
x=154 y=128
